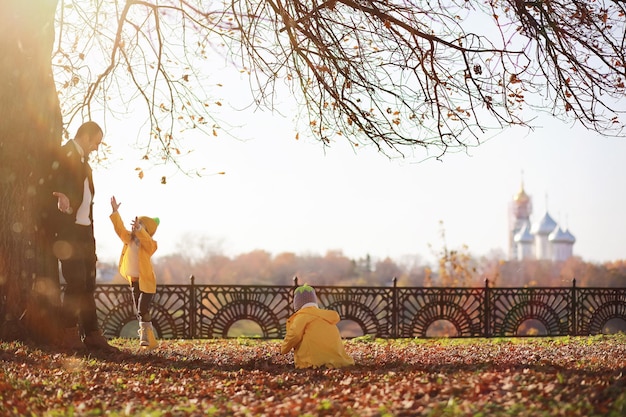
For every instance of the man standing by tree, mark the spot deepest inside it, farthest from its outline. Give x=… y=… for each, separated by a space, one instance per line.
x=75 y=244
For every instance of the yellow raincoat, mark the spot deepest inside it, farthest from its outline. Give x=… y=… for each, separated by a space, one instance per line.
x=313 y=334
x=147 y=247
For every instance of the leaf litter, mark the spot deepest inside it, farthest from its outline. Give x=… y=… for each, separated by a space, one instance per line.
x=567 y=376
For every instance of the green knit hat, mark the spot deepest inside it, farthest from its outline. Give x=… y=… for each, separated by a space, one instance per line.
x=302 y=295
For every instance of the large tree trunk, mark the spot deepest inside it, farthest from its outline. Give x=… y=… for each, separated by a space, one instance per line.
x=30 y=130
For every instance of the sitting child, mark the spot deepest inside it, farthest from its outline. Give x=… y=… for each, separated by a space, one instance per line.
x=313 y=334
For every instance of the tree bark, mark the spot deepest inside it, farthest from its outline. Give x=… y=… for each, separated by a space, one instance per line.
x=30 y=131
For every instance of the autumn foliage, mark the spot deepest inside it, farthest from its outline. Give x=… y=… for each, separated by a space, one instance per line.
x=454 y=268
x=582 y=376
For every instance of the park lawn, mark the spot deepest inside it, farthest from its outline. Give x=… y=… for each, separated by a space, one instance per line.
x=565 y=376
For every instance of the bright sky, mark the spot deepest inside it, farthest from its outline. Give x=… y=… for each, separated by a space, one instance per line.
x=281 y=194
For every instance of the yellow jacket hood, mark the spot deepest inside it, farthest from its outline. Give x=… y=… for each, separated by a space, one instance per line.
x=313 y=335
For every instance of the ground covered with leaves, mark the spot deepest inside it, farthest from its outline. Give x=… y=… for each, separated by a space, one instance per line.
x=572 y=376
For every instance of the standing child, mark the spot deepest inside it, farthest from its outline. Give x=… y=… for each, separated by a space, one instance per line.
x=313 y=334
x=136 y=267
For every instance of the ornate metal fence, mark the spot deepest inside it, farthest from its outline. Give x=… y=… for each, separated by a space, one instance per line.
x=210 y=311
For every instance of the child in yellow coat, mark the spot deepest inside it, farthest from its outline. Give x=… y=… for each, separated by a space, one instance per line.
x=313 y=334
x=136 y=266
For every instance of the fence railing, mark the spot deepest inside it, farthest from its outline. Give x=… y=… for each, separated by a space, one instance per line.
x=213 y=311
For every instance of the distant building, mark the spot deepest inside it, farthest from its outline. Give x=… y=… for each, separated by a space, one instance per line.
x=544 y=239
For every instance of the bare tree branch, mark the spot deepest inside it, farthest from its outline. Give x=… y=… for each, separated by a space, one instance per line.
x=394 y=74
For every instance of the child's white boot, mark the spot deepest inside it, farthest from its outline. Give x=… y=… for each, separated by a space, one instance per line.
x=146 y=335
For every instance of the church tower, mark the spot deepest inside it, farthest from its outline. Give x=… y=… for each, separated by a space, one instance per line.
x=562 y=244
x=519 y=216
x=525 y=243
x=541 y=230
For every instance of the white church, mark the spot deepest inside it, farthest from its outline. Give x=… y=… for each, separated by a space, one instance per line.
x=543 y=239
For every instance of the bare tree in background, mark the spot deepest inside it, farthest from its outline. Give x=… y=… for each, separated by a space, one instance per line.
x=398 y=75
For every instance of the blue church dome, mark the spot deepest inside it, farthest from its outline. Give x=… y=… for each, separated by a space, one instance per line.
x=545 y=226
